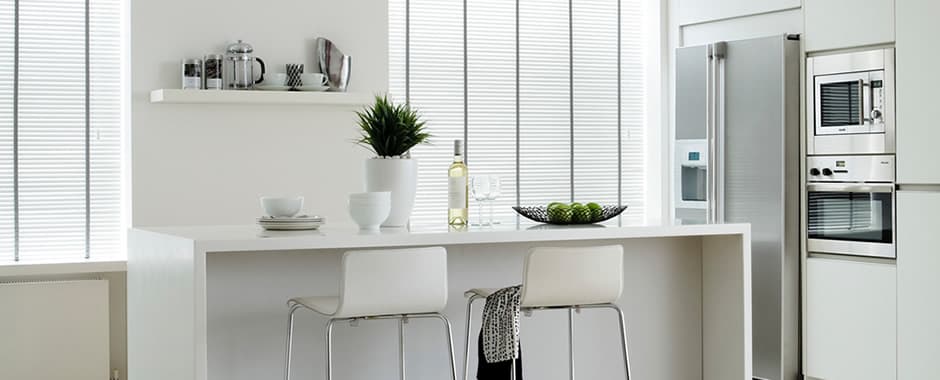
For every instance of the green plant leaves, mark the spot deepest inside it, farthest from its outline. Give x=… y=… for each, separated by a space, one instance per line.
x=390 y=130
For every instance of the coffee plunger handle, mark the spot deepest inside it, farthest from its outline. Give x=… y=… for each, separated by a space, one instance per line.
x=260 y=77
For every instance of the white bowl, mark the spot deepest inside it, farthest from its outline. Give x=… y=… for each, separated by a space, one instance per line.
x=283 y=207
x=369 y=210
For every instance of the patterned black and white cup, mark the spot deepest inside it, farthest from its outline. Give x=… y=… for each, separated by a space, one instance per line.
x=294 y=70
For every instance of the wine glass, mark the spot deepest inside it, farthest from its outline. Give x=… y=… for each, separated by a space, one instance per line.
x=480 y=190
x=493 y=194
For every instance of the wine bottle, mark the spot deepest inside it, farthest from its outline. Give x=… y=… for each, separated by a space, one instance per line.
x=457 y=213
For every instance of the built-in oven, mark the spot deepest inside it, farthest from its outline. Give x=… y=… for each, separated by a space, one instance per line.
x=850 y=101
x=851 y=205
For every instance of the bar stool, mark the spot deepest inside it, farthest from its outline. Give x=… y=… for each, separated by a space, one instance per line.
x=398 y=284
x=566 y=278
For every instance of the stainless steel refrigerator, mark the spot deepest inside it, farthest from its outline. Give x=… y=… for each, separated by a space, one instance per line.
x=737 y=123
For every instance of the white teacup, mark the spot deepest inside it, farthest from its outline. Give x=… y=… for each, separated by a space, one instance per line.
x=314 y=79
x=275 y=79
x=282 y=207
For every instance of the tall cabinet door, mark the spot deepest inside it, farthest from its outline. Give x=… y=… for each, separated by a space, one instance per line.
x=918 y=285
x=850 y=320
x=917 y=57
x=839 y=24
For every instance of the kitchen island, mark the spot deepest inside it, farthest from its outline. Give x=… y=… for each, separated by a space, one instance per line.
x=209 y=302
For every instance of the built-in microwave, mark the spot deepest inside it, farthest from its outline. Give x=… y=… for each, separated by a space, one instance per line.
x=851 y=205
x=850 y=103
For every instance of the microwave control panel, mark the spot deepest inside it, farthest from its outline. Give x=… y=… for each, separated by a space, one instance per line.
x=876 y=84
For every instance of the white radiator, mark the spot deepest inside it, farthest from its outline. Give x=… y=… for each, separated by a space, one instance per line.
x=54 y=330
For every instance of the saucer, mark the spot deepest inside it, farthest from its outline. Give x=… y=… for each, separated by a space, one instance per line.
x=314 y=88
x=291 y=223
x=291 y=219
x=264 y=87
x=303 y=226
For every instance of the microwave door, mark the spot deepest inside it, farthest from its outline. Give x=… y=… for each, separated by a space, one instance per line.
x=842 y=104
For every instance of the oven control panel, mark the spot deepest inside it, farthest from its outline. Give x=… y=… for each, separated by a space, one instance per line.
x=851 y=168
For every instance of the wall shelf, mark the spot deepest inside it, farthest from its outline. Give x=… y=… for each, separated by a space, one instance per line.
x=177 y=96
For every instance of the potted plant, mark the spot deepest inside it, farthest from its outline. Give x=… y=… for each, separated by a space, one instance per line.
x=390 y=131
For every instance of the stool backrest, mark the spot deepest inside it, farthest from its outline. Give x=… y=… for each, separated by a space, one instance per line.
x=393 y=281
x=572 y=276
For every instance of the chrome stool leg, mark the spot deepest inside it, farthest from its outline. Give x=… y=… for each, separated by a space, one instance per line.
x=571 y=343
x=466 y=354
x=623 y=339
x=290 y=338
x=329 y=349
x=450 y=344
x=401 y=347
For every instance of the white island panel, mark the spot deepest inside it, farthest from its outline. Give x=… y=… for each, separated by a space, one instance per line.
x=209 y=302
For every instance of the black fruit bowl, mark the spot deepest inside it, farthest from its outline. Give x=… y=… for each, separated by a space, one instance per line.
x=540 y=214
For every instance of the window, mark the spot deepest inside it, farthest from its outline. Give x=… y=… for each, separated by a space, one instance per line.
x=548 y=94
x=60 y=130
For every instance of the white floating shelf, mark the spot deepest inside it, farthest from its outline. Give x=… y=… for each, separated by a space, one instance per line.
x=177 y=96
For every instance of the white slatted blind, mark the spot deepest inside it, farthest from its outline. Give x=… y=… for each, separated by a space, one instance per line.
x=595 y=101
x=543 y=102
x=491 y=95
x=105 y=44
x=67 y=120
x=436 y=79
x=6 y=130
x=633 y=110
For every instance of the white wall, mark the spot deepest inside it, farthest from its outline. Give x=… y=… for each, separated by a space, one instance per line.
x=208 y=164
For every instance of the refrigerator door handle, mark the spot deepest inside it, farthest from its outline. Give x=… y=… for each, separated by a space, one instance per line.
x=719 y=152
x=709 y=136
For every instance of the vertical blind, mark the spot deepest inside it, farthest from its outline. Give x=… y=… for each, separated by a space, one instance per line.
x=549 y=95
x=60 y=130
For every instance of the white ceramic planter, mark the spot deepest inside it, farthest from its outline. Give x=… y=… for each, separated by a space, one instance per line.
x=398 y=176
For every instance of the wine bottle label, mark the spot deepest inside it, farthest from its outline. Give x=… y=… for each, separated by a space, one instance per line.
x=457 y=192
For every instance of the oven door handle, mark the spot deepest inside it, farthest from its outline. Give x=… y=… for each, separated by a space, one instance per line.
x=851 y=188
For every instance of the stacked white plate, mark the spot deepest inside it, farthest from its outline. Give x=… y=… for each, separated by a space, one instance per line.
x=294 y=223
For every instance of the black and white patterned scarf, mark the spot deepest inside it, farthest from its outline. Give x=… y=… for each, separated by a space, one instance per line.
x=500 y=331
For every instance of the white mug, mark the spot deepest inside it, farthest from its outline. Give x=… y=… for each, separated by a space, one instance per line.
x=313 y=79
x=275 y=79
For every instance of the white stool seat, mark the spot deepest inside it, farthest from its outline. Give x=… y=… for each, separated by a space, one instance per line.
x=321 y=304
x=572 y=278
x=388 y=284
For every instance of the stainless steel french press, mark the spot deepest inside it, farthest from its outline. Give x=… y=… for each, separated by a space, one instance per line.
x=240 y=66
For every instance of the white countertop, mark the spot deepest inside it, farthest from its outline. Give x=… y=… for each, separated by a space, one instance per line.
x=241 y=238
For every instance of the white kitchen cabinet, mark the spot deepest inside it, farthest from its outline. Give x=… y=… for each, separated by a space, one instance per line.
x=837 y=24
x=917 y=58
x=851 y=320
x=699 y=11
x=918 y=285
